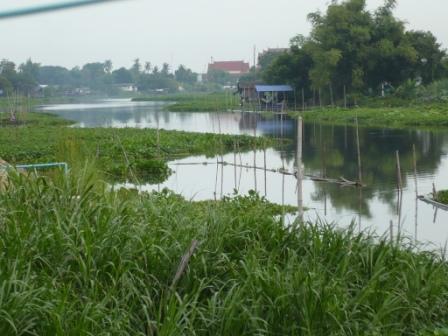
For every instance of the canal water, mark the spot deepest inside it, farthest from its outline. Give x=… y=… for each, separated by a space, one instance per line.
x=328 y=151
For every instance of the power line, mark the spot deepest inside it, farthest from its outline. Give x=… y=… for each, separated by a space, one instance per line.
x=49 y=8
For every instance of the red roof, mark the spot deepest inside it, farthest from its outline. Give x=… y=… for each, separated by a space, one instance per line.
x=230 y=66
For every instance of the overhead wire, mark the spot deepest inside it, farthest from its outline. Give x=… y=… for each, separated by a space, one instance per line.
x=18 y=12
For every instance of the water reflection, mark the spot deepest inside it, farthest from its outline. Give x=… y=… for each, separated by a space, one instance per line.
x=328 y=151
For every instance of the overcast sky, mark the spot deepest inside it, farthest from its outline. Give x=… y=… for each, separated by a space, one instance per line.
x=177 y=31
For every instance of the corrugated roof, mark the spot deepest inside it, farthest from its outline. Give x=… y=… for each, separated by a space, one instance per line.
x=273 y=88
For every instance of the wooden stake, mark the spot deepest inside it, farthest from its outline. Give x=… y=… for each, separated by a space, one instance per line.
x=345 y=97
x=234 y=162
x=303 y=99
x=255 y=160
x=399 y=180
x=359 y=151
x=391 y=231
x=299 y=167
x=184 y=263
x=265 y=175
x=414 y=156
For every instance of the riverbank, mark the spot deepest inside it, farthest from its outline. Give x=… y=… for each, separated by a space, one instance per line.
x=431 y=115
x=78 y=259
x=200 y=102
x=375 y=113
x=119 y=153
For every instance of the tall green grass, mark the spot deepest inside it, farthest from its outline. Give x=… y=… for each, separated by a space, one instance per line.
x=77 y=259
x=199 y=102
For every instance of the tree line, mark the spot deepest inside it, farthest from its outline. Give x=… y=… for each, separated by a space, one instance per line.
x=97 y=76
x=354 y=51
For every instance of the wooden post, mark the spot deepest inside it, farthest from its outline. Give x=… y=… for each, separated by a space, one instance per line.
x=391 y=231
x=345 y=97
x=399 y=180
x=414 y=157
x=359 y=151
x=299 y=167
x=331 y=95
x=234 y=164
x=265 y=177
x=158 y=136
x=303 y=99
x=255 y=159
x=320 y=98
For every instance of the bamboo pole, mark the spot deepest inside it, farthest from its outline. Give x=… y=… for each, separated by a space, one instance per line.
x=299 y=167
x=414 y=159
x=345 y=97
x=255 y=159
x=399 y=179
x=234 y=162
x=265 y=172
x=320 y=98
x=303 y=99
x=358 y=149
x=391 y=231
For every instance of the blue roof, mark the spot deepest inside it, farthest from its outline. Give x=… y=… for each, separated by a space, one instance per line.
x=273 y=88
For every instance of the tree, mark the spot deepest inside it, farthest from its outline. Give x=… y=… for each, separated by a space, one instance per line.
x=54 y=75
x=147 y=67
x=429 y=63
x=165 y=69
x=185 y=75
x=108 y=66
x=122 y=76
x=220 y=77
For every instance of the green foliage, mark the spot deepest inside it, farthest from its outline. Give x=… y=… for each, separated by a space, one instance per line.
x=356 y=50
x=196 y=102
x=119 y=153
x=79 y=260
x=221 y=77
x=442 y=196
x=393 y=115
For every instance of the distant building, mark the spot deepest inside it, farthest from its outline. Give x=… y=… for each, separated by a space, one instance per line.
x=236 y=68
x=127 y=87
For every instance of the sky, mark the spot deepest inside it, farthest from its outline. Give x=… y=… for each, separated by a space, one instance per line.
x=188 y=32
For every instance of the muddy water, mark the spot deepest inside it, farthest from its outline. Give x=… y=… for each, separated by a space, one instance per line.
x=328 y=151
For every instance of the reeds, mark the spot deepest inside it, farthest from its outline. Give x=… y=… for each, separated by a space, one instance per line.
x=77 y=259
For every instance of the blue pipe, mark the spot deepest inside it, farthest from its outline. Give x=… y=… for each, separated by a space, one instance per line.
x=44 y=165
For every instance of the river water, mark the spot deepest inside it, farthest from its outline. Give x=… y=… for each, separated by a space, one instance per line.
x=328 y=151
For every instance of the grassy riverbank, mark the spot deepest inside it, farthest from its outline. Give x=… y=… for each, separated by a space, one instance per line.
x=206 y=102
x=79 y=260
x=392 y=113
x=119 y=153
x=431 y=115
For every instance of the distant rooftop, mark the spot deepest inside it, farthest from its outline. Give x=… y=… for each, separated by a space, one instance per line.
x=232 y=67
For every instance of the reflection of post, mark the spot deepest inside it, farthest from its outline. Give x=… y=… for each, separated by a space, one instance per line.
x=299 y=167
